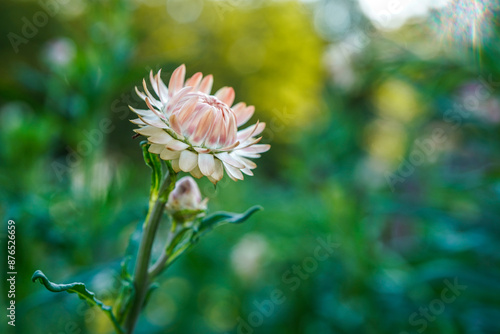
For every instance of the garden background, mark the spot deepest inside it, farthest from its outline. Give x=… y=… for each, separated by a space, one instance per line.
x=384 y=122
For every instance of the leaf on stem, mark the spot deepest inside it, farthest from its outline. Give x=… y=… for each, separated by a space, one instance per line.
x=220 y=218
x=82 y=292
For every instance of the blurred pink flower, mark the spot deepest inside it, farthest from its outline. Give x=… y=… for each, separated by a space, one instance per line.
x=197 y=131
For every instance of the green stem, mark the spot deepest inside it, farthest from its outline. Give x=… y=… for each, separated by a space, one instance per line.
x=159 y=265
x=141 y=279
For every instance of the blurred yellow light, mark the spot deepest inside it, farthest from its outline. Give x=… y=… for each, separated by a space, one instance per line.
x=385 y=140
x=395 y=99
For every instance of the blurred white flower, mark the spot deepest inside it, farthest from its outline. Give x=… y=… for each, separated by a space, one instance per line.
x=247 y=256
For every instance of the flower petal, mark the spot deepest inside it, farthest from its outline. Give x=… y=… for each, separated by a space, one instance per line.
x=154 y=84
x=186 y=112
x=206 y=84
x=174 y=124
x=203 y=127
x=139 y=93
x=175 y=165
x=177 y=80
x=194 y=81
x=149 y=131
x=196 y=172
x=154 y=121
x=260 y=148
x=201 y=149
x=142 y=112
x=218 y=170
x=153 y=101
x=161 y=87
x=247 y=171
x=188 y=161
x=157 y=113
x=156 y=148
x=176 y=145
x=137 y=121
x=226 y=95
x=206 y=163
x=233 y=172
x=226 y=158
x=248 y=155
x=249 y=164
x=229 y=148
x=167 y=154
x=243 y=113
x=252 y=130
x=161 y=138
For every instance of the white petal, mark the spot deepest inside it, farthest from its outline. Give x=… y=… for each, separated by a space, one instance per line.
x=161 y=138
x=248 y=155
x=142 y=112
x=167 y=154
x=201 y=150
x=260 y=148
x=137 y=121
x=154 y=121
x=149 y=131
x=139 y=93
x=156 y=148
x=162 y=87
x=154 y=84
x=218 y=170
x=206 y=163
x=247 y=171
x=249 y=164
x=153 y=101
x=253 y=130
x=176 y=145
x=233 y=172
x=196 y=172
x=175 y=165
x=188 y=161
x=214 y=181
x=225 y=157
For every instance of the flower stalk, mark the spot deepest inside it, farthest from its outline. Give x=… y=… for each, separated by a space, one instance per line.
x=141 y=278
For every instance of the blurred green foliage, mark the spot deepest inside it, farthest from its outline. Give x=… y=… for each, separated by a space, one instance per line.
x=347 y=113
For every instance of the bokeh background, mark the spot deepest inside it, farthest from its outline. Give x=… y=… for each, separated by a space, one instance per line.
x=384 y=121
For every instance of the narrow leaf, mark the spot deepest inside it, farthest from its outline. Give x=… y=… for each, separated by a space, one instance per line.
x=81 y=291
x=220 y=218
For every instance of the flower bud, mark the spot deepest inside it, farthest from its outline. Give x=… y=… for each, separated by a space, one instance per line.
x=185 y=202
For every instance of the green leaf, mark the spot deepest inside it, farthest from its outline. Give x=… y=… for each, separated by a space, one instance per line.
x=184 y=242
x=182 y=234
x=81 y=291
x=220 y=218
x=154 y=162
x=127 y=291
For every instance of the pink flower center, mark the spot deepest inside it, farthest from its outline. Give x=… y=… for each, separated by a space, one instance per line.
x=205 y=120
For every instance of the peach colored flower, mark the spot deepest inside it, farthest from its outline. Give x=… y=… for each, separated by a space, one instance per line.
x=197 y=131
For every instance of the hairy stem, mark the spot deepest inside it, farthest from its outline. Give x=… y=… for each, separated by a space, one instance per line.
x=141 y=279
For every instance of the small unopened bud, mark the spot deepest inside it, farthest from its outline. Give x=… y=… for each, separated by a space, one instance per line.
x=185 y=202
